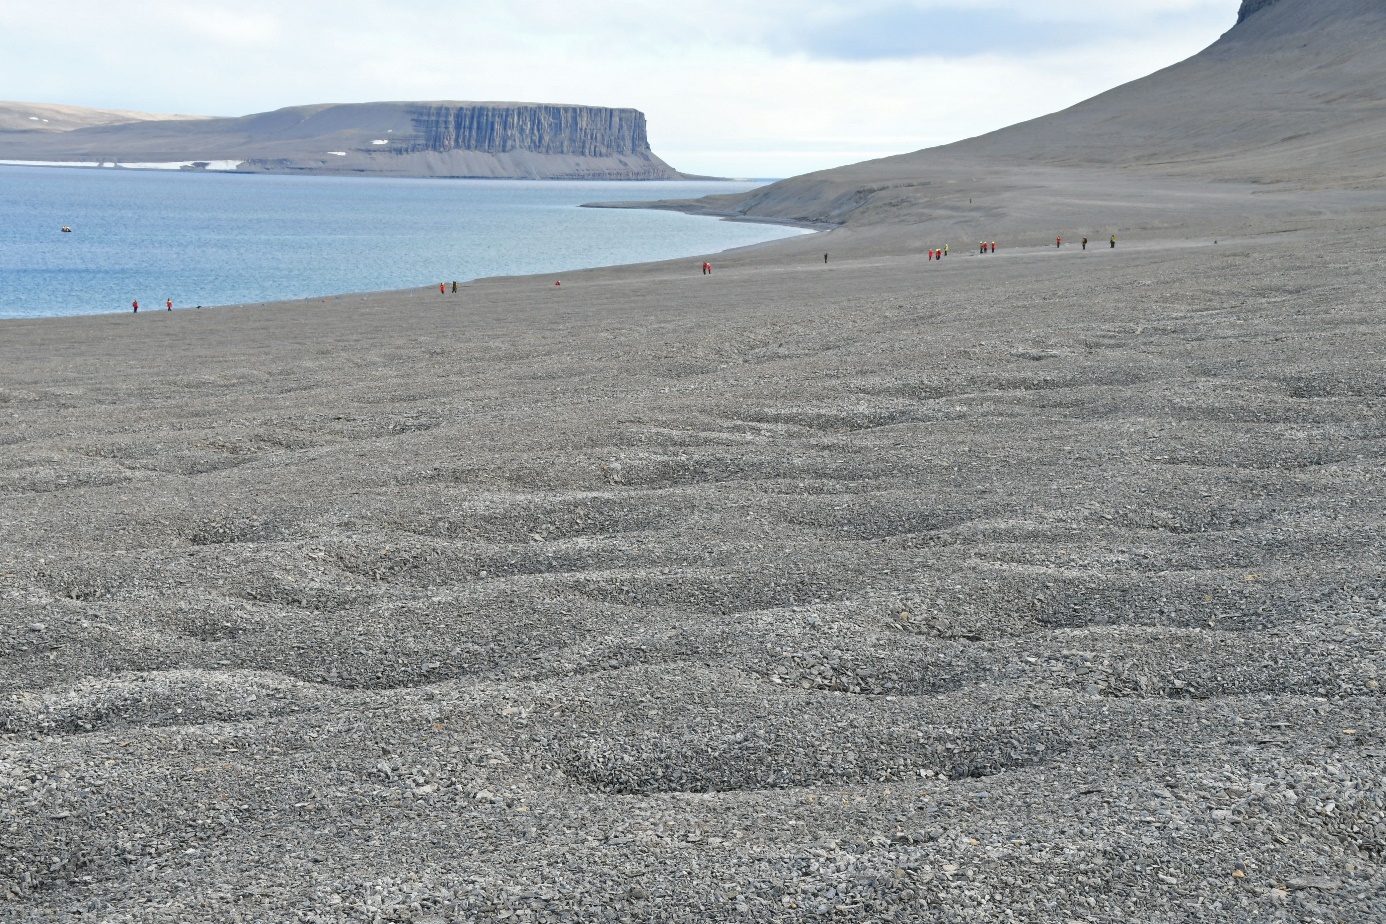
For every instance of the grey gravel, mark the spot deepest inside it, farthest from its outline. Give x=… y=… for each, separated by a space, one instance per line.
x=1045 y=587
x=1040 y=586
x=1036 y=587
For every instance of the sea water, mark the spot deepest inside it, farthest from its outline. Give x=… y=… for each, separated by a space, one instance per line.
x=219 y=239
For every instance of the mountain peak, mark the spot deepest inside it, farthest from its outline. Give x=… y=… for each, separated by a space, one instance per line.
x=1251 y=7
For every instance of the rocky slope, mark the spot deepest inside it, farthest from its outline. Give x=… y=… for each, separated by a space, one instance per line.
x=523 y=140
x=1294 y=94
x=1253 y=6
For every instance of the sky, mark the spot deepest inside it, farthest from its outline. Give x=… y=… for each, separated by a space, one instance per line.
x=745 y=88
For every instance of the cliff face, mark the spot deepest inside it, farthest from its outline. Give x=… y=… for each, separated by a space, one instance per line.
x=453 y=139
x=582 y=131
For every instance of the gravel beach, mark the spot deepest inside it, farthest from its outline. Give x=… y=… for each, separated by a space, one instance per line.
x=840 y=584
x=1045 y=586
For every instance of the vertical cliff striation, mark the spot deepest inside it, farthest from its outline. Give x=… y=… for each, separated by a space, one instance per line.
x=581 y=131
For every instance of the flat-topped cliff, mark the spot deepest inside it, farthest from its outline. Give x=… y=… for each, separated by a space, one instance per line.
x=456 y=139
x=584 y=131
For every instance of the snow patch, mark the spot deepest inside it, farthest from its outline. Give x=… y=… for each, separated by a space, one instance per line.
x=48 y=163
x=214 y=166
x=218 y=166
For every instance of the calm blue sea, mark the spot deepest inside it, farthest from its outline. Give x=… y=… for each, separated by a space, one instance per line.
x=218 y=239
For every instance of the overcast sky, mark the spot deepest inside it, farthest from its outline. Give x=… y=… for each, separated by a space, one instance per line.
x=763 y=88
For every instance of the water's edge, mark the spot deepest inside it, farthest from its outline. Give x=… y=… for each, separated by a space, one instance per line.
x=206 y=241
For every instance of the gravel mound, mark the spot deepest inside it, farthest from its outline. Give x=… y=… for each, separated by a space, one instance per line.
x=1045 y=587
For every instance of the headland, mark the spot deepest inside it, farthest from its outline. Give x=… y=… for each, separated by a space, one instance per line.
x=417 y=139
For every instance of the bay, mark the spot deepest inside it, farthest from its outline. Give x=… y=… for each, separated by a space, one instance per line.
x=218 y=239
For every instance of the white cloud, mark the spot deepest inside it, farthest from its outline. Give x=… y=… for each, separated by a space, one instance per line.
x=729 y=87
x=224 y=26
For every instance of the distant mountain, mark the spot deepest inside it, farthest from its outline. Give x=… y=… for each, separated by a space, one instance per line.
x=1294 y=94
x=431 y=139
x=52 y=117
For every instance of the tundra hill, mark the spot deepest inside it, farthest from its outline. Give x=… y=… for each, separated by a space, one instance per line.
x=455 y=139
x=1293 y=96
x=54 y=117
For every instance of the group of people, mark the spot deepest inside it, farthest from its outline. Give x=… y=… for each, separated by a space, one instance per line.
x=1059 y=242
x=938 y=253
x=985 y=247
x=935 y=253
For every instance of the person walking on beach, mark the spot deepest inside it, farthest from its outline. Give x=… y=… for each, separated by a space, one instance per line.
x=993 y=247
x=442 y=289
x=825 y=258
x=136 y=306
x=945 y=250
x=169 y=303
x=1058 y=242
x=454 y=287
x=984 y=246
x=1114 y=242
x=1085 y=243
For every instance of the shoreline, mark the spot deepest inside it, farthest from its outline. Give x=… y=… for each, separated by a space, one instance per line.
x=691 y=207
x=602 y=249
x=191 y=166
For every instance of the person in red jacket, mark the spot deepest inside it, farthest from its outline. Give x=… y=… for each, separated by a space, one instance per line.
x=1058 y=242
x=170 y=304
x=136 y=306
